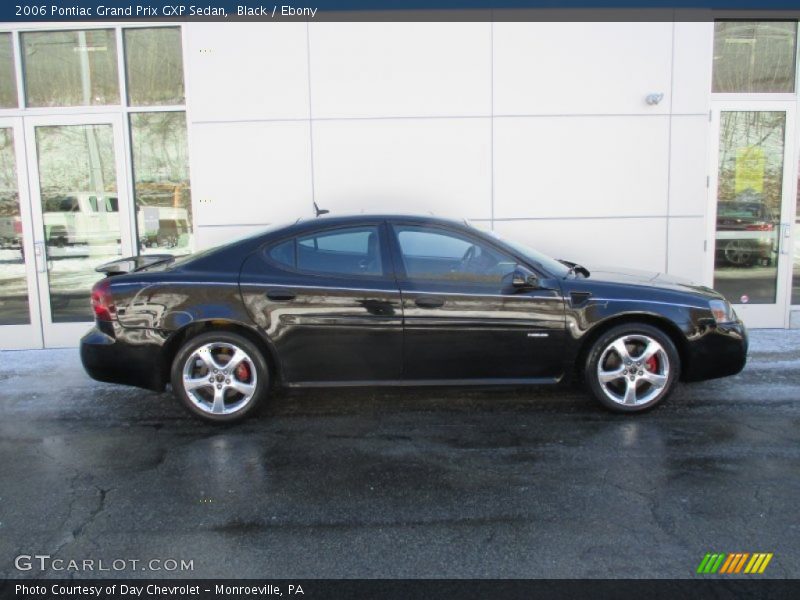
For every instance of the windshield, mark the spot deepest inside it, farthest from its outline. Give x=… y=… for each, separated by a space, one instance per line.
x=546 y=263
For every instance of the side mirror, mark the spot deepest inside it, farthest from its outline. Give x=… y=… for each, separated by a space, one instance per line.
x=522 y=279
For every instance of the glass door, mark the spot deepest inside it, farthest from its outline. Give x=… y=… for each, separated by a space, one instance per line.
x=81 y=214
x=20 y=325
x=752 y=196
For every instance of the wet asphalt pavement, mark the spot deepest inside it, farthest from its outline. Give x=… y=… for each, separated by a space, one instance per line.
x=410 y=483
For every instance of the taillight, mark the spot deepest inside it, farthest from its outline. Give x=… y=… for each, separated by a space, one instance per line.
x=17 y=226
x=102 y=301
x=760 y=227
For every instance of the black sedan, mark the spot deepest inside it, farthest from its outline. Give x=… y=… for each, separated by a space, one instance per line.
x=398 y=301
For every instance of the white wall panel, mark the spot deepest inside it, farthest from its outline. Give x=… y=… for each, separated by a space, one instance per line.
x=689 y=165
x=246 y=173
x=632 y=243
x=686 y=252
x=240 y=71
x=588 y=68
x=694 y=49
x=580 y=166
x=423 y=165
x=400 y=69
x=209 y=237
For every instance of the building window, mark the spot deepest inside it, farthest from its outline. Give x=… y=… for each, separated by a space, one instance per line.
x=754 y=56
x=8 y=75
x=154 y=66
x=13 y=283
x=161 y=181
x=70 y=68
x=796 y=264
x=749 y=193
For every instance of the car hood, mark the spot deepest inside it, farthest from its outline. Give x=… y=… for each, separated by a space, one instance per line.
x=620 y=276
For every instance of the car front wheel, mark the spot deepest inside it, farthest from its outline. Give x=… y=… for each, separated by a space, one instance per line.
x=632 y=367
x=220 y=377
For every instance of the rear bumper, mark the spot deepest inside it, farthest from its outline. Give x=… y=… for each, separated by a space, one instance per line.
x=106 y=359
x=719 y=351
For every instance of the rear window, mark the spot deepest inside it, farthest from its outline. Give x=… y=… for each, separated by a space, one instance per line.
x=733 y=209
x=283 y=253
x=61 y=204
x=345 y=251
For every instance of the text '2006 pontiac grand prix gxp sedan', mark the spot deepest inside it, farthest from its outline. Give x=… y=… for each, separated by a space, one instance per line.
x=398 y=300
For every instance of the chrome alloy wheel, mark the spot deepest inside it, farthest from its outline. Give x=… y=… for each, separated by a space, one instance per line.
x=739 y=253
x=633 y=370
x=219 y=378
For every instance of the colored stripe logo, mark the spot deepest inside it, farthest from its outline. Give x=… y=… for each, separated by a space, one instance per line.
x=734 y=562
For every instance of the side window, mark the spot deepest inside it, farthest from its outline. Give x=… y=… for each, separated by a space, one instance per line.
x=435 y=254
x=283 y=253
x=350 y=251
x=69 y=204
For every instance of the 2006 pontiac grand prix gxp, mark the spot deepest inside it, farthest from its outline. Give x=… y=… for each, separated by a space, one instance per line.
x=398 y=300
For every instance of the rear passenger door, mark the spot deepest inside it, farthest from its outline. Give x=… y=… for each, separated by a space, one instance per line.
x=464 y=321
x=328 y=301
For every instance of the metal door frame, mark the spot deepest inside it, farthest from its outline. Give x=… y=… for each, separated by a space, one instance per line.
x=58 y=335
x=759 y=315
x=25 y=336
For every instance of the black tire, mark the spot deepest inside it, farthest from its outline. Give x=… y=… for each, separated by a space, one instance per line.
x=613 y=394
x=201 y=402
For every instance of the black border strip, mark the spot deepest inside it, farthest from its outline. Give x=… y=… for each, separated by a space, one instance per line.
x=329 y=11
x=719 y=588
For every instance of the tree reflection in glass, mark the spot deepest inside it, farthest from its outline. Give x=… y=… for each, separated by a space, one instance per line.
x=161 y=182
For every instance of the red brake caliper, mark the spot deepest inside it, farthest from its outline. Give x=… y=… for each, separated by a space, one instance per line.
x=651 y=364
x=242 y=372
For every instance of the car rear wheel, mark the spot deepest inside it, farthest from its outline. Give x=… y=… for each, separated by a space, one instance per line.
x=220 y=377
x=632 y=367
x=739 y=253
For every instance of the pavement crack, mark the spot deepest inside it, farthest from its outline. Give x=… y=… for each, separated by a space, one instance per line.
x=80 y=529
x=101 y=505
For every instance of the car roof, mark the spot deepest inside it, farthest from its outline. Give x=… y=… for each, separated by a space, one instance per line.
x=356 y=217
x=280 y=231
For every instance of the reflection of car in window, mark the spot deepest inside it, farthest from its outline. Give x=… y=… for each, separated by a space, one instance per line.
x=79 y=218
x=92 y=218
x=746 y=233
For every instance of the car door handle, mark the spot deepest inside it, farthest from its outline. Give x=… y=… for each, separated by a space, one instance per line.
x=281 y=295
x=429 y=301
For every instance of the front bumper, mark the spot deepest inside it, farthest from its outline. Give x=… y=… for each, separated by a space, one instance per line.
x=718 y=351
x=106 y=359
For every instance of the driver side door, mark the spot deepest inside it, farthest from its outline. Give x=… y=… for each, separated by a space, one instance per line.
x=463 y=320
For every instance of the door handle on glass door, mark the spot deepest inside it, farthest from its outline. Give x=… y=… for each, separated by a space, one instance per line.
x=786 y=231
x=38 y=251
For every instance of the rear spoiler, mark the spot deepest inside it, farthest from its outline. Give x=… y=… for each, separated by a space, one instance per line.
x=134 y=263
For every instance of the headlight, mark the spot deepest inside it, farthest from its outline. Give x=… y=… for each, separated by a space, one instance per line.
x=722 y=311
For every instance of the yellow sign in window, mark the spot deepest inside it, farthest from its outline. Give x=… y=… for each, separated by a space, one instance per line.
x=749 y=169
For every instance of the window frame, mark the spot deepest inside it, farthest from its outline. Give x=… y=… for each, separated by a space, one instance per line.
x=13 y=38
x=387 y=262
x=123 y=64
x=474 y=237
x=115 y=34
x=22 y=109
x=758 y=95
x=124 y=108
